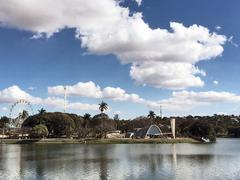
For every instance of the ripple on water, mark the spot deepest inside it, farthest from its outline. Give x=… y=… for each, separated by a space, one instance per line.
x=129 y=161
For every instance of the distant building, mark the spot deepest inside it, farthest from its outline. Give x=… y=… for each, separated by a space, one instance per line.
x=115 y=134
x=148 y=132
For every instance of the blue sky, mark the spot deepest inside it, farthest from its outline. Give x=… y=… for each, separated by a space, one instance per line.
x=29 y=66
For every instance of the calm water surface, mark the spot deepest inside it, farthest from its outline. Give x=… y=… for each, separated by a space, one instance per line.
x=122 y=161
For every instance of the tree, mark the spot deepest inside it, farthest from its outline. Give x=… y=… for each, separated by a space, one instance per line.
x=151 y=115
x=87 y=118
x=202 y=129
x=100 y=116
x=3 y=121
x=24 y=114
x=58 y=124
x=103 y=106
x=42 y=111
x=78 y=120
x=116 y=117
x=39 y=131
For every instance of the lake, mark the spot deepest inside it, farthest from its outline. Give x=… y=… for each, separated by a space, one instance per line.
x=220 y=160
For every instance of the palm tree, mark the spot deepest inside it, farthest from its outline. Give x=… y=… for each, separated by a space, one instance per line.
x=151 y=115
x=24 y=114
x=103 y=106
x=42 y=111
x=87 y=118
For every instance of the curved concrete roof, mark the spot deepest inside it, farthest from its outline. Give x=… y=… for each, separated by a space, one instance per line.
x=150 y=130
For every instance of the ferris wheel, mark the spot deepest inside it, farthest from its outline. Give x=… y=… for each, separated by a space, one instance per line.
x=19 y=112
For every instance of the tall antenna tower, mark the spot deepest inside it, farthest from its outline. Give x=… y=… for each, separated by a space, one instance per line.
x=161 y=115
x=65 y=99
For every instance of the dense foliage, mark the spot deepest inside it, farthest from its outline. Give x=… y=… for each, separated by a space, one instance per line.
x=66 y=125
x=39 y=131
x=58 y=124
x=4 y=121
x=63 y=124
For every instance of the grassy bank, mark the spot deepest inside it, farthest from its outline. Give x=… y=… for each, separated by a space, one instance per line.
x=142 y=141
x=100 y=141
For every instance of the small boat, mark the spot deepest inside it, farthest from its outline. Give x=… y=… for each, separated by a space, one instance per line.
x=205 y=140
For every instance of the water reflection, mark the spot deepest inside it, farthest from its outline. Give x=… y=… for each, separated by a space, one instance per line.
x=136 y=161
x=174 y=156
x=10 y=161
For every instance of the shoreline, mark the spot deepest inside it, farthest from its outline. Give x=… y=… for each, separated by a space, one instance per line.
x=99 y=141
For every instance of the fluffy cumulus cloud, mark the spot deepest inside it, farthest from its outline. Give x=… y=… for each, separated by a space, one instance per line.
x=119 y=94
x=151 y=52
x=82 y=89
x=178 y=100
x=14 y=93
x=82 y=106
x=90 y=89
x=161 y=74
x=87 y=89
x=191 y=99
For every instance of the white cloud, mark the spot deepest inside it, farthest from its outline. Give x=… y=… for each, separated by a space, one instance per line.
x=14 y=93
x=86 y=89
x=59 y=103
x=50 y=16
x=179 y=101
x=139 y=2
x=215 y=82
x=119 y=94
x=90 y=89
x=117 y=32
x=82 y=106
x=161 y=74
x=141 y=46
x=218 y=28
x=185 y=100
